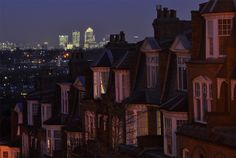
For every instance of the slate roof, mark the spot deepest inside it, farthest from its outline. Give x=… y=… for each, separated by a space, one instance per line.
x=147 y=96
x=217 y=135
x=59 y=119
x=185 y=40
x=178 y=103
x=150 y=43
x=219 y=6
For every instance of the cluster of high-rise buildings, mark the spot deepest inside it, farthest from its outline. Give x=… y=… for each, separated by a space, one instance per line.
x=89 y=41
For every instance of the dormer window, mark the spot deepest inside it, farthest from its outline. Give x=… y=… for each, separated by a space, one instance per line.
x=122 y=85
x=32 y=110
x=65 y=88
x=182 y=72
x=152 y=61
x=100 y=81
x=218 y=32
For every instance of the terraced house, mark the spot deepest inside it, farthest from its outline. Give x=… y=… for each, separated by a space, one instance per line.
x=171 y=95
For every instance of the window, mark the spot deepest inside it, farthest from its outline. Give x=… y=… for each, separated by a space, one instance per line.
x=100 y=80
x=210 y=37
x=168 y=135
x=186 y=153
x=130 y=128
x=122 y=85
x=182 y=72
x=202 y=98
x=142 y=123
x=224 y=33
x=5 y=154
x=46 y=111
x=89 y=125
x=152 y=70
x=158 y=123
x=64 y=100
x=35 y=109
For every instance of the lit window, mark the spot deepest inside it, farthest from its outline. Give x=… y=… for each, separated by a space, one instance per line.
x=158 y=123
x=5 y=154
x=130 y=128
x=182 y=72
x=152 y=70
x=122 y=85
x=224 y=33
x=142 y=123
x=100 y=80
x=202 y=98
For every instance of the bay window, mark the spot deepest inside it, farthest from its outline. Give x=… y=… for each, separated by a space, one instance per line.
x=218 y=32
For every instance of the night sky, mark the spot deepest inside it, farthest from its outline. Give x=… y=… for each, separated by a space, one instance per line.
x=44 y=20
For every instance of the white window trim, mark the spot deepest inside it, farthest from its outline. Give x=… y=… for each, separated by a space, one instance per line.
x=214 y=18
x=184 y=151
x=30 y=104
x=122 y=89
x=182 y=65
x=202 y=80
x=51 y=129
x=45 y=110
x=150 y=82
x=174 y=116
x=96 y=80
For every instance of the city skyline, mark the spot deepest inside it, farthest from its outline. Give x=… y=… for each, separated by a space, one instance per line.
x=47 y=19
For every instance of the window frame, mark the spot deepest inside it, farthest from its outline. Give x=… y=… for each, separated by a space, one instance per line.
x=122 y=84
x=97 y=81
x=152 y=69
x=198 y=92
x=213 y=48
x=185 y=150
x=181 y=76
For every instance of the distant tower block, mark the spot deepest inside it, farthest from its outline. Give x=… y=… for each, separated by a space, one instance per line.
x=76 y=39
x=63 y=41
x=89 y=39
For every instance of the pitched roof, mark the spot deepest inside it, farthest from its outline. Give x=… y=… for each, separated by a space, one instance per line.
x=219 y=6
x=59 y=119
x=147 y=96
x=182 y=42
x=179 y=103
x=150 y=44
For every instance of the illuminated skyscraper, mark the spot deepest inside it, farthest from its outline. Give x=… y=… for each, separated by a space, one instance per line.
x=89 y=39
x=76 y=39
x=63 y=41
